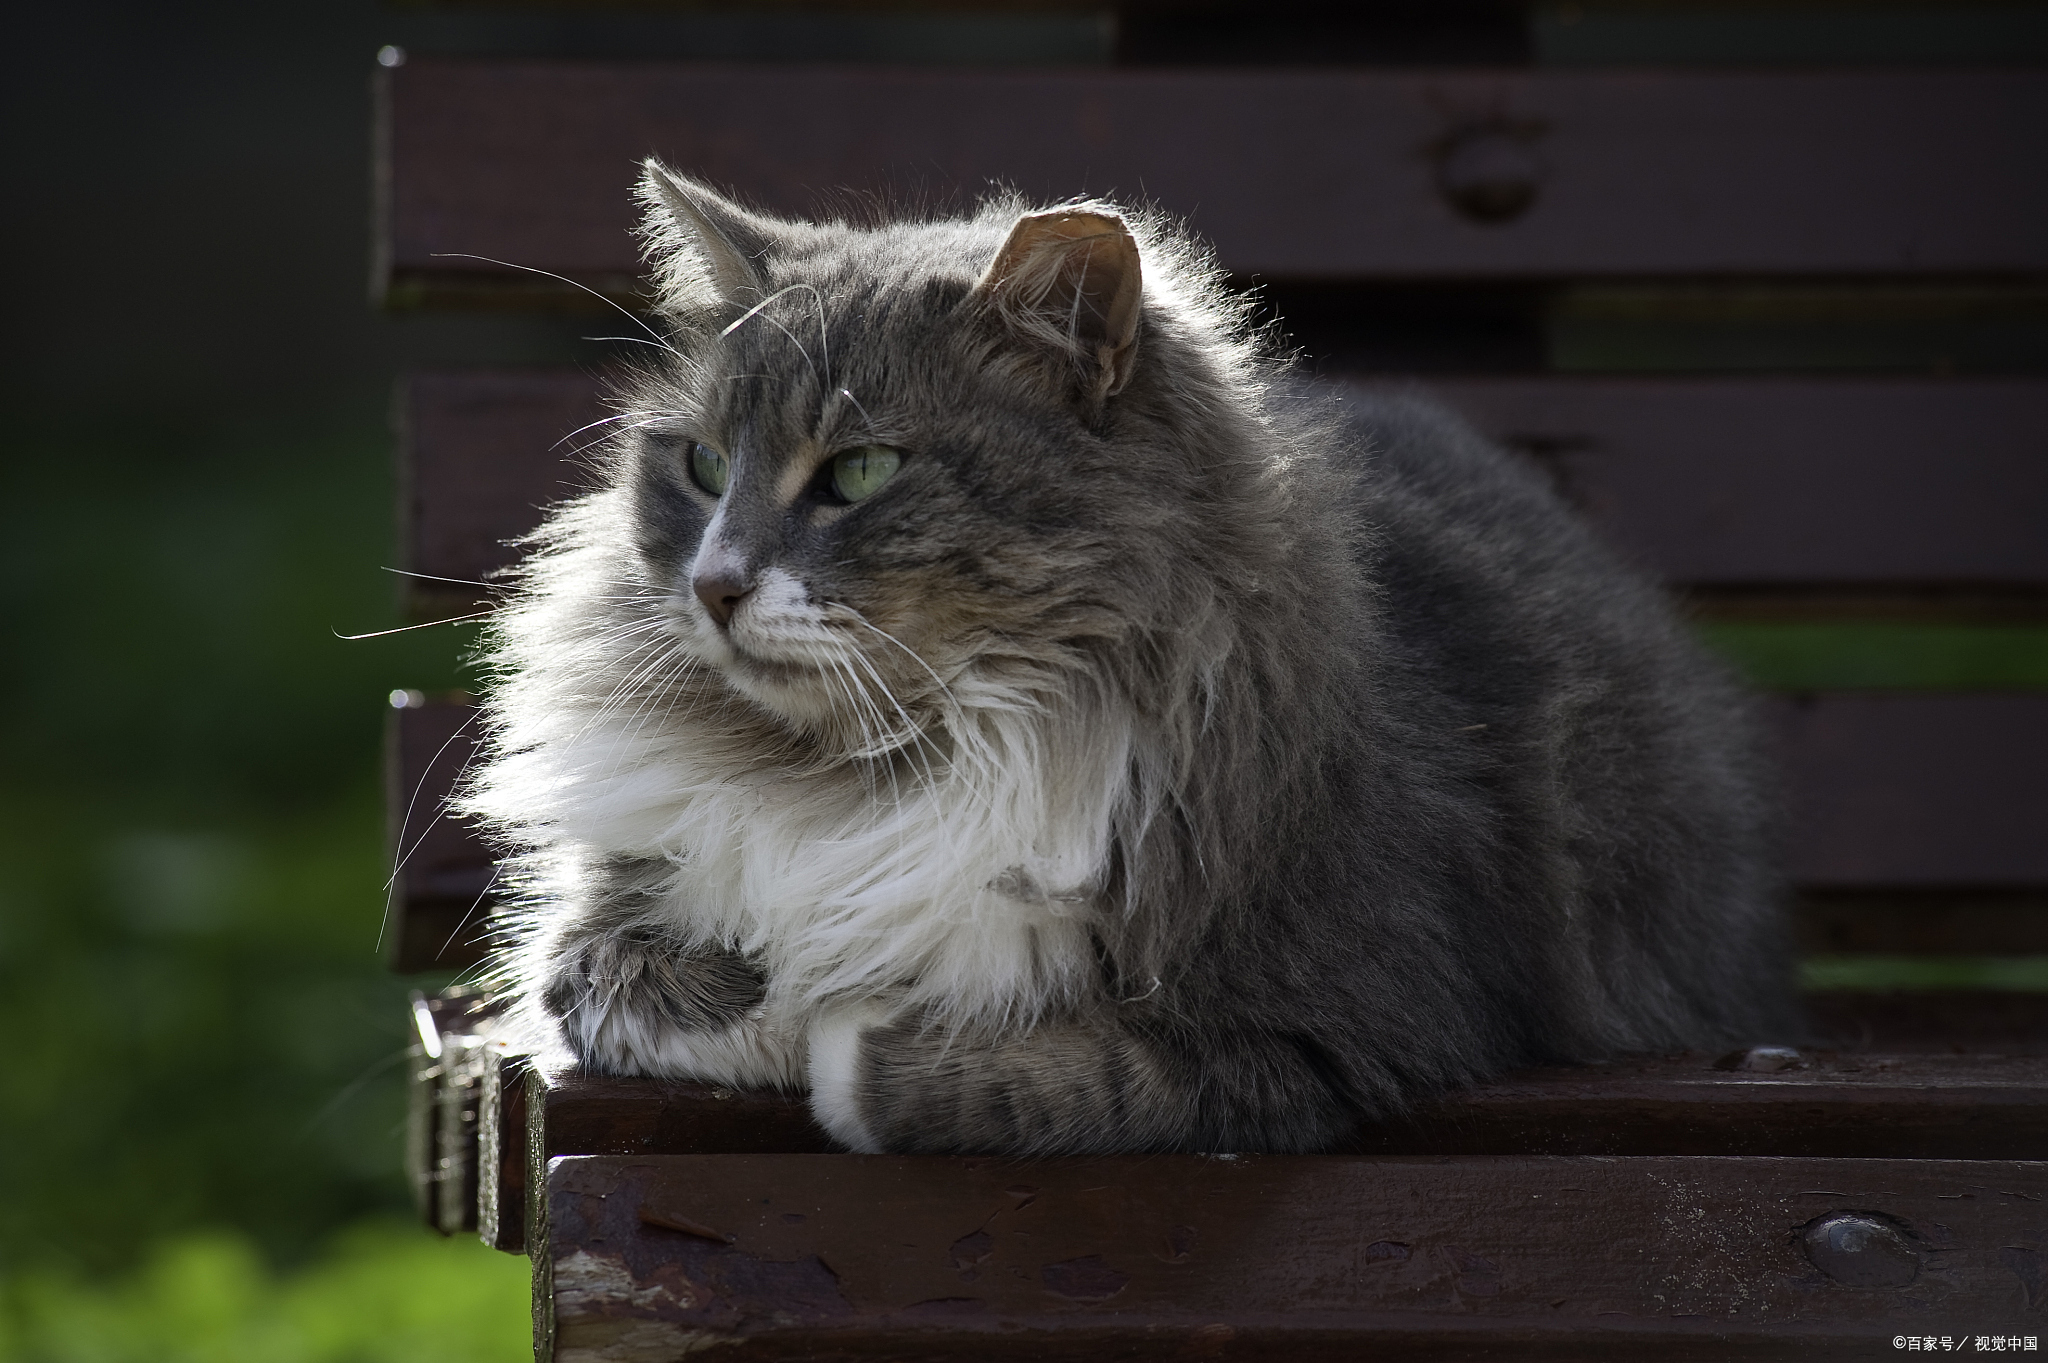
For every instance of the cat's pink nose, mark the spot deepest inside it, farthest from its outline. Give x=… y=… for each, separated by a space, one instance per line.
x=720 y=594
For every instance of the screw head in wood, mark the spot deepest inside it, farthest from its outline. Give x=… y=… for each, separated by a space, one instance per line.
x=1489 y=172
x=1859 y=1250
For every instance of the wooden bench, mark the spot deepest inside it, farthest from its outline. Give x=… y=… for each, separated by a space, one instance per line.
x=1882 y=1183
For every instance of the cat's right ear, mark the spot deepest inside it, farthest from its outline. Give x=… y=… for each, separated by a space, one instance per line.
x=1071 y=279
x=707 y=252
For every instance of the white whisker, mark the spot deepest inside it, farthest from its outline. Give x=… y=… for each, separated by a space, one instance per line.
x=550 y=274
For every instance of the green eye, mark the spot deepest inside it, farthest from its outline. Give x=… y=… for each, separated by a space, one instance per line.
x=709 y=468
x=861 y=471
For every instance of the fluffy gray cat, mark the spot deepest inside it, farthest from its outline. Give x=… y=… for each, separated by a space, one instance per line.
x=989 y=692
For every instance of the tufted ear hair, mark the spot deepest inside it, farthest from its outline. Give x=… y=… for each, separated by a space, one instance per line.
x=707 y=251
x=1071 y=279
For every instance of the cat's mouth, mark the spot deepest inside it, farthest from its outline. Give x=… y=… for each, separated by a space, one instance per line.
x=818 y=680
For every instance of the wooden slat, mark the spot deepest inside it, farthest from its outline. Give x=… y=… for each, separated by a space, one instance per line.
x=502 y=1154
x=443 y=1106
x=1719 y=484
x=1294 y=174
x=1933 y=1022
x=779 y=1256
x=1926 y=790
x=439 y=896
x=1929 y=1075
x=482 y=452
x=1916 y=922
x=1832 y=1103
x=1739 y=490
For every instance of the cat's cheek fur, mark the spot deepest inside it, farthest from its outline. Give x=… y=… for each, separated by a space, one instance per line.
x=835 y=1045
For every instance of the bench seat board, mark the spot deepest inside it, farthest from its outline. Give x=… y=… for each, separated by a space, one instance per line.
x=780 y=1256
x=1835 y=1103
x=1838 y=1104
x=1741 y=487
x=1311 y=173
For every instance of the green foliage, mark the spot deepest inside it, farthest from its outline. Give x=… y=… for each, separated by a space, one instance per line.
x=191 y=844
x=382 y=1293
x=2011 y=973
x=1875 y=655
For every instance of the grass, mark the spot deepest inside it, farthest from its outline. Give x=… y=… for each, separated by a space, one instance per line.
x=380 y=1292
x=1882 y=656
x=2012 y=974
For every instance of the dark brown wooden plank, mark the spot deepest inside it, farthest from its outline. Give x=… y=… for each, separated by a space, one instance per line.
x=443 y=1106
x=481 y=453
x=1932 y=1022
x=1293 y=174
x=1282 y=1258
x=587 y=1114
x=1733 y=489
x=1916 y=790
x=438 y=910
x=1906 y=922
x=1927 y=1075
x=1794 y=483
x=501 y=1149
x=1827 y=1103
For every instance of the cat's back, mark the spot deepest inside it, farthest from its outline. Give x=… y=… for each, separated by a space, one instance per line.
x=1605 y=773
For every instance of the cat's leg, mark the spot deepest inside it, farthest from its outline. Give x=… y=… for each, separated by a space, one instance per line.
x=631 y=995
x=1102 y=1083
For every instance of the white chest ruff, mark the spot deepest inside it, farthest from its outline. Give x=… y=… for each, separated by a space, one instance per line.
x=963 y=888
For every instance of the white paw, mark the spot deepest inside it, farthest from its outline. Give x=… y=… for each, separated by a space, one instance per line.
x=834 y=1045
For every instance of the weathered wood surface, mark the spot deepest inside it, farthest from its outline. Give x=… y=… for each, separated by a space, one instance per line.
x=781 y=1256
x=1745 y=492
x=444 y=1103
x=503 y=1138
x=1827 y=1103
x=1301 y=173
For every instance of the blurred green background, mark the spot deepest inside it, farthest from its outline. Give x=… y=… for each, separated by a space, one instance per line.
x=201 y=1121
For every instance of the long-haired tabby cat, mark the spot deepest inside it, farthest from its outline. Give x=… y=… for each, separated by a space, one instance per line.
x=989 y=692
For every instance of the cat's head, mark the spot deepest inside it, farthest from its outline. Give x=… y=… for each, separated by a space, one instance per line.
x=895 y=470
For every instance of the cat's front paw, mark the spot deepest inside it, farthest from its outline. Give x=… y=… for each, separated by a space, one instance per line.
x=836 y=1071
x=637 y=1001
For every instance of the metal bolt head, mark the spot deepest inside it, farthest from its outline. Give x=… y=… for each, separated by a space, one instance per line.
x=1858 y=1250
x=1488 y=173
x=1770 y=1059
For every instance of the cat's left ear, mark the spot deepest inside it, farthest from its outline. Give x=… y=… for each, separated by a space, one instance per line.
x=708 y=252
x=1071 y=278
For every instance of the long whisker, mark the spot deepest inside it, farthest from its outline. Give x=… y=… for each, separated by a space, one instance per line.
x=434 y=577
x=550 y=274
x=915 y=747
x=470 y=912
x=601 y=421
x=755 y=311
x=405 y=823
x=848 y=395
x=633 y=340
x=863 y=622
x=402 y=629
